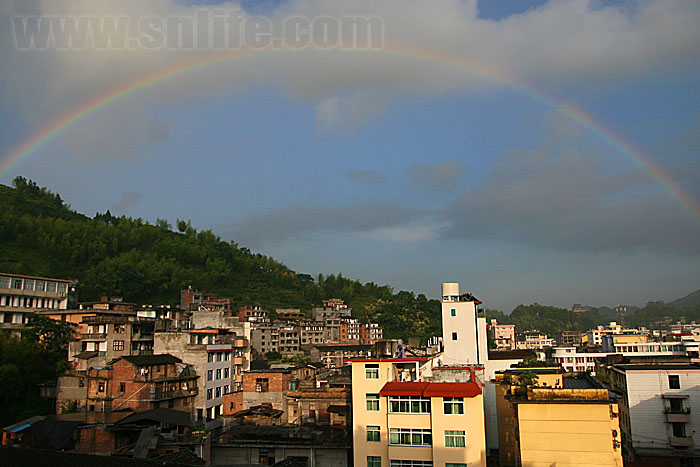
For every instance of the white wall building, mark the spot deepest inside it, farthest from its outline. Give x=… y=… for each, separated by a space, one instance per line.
x=463 y=328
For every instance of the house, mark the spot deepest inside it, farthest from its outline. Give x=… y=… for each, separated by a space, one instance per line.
x=140 y=383
x=547 y=416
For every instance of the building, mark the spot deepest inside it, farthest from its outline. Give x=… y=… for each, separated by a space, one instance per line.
x=218 y=355
x=658 y=403
x=566 y=338
x=334 y=355
x=370 y=333
x=318 y=406
x=556 y=419
x=503 y=335
x=193 y=300
x=350 y=330
x=463 y=327
x=401 y=419
x=260 y=387
x=265 y=338
x=533 y=340
x=142 y=383
x=425 y=411
x=311 y=332
x=22 y=295
x=290 y=314
x=594 y=337
x=574 y=360
x=289 y=342
x=253 y=314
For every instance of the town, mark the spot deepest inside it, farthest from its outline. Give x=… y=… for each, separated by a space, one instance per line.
x=204 y=382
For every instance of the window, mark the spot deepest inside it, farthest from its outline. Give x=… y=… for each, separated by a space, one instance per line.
x=119 y=328
x=453 y=312
x=372 y=371
x=674 y=382
x=455 y=465
x=17 y=284
x=218 y=391
x=410 y=463
x=372 y=402
x=454 y=439
x=262 y=385
x=410 y=436
x=28 y=284
x=210 y=394
x=100 y=387
x=210 y=357
x=61 y=288
x=118 y=345
x=210 y=375
x=50 y=287
x=218 y=373
x=122 y=387
x=226 y=373
x=454 y=336
x=373 y=433
x=226 y=389
x=409 y=404
x=453 y=405
x=374 y=461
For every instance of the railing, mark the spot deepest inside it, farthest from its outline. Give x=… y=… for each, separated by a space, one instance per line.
x=94 y=335
x=685 y=410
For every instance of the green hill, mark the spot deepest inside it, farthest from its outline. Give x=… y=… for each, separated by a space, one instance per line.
x=690 y=300
x=145 y=263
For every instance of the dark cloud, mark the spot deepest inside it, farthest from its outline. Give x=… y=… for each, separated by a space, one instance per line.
x=295 y=221
x=570 y=202
x=441 y=176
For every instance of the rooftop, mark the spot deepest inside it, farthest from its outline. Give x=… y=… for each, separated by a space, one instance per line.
x=150 y=360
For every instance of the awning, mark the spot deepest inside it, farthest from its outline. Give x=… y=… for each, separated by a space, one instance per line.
x=452 y=390
x=674 y=396
x=403 y=389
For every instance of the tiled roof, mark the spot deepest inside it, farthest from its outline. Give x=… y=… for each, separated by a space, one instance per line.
x=149 y=360
x=426 y=389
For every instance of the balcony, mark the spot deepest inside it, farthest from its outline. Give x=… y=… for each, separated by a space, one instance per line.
x=94 y=335
x=677 y=415
x=681 y=442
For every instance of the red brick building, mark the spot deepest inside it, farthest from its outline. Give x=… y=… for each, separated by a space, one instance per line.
x=142 y=383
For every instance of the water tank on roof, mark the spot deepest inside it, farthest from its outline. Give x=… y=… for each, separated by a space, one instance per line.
x=450 y=289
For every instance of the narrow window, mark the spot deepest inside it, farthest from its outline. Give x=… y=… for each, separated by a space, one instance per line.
x=372 y=402
x=454 y=336
x=453 y=312
x=372 y=371
x=674 y=382
x=373 y=433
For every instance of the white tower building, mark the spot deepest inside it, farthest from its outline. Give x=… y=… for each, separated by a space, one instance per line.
x=463 y=328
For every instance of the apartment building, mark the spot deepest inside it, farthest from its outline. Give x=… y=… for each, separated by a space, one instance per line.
x=594 y=337
x=370 y=333
x=289 y=342
x=193 y=300
x=290 y=314
x=401 y=420
x=657 y=406
x=349 y=330
x=503 y=335
x=311 y=332
x=533 y=340
x=253 y=314
x=218 y=355
x=265 y=338
x=22 y=295
x=142 y=383
x=556 y=419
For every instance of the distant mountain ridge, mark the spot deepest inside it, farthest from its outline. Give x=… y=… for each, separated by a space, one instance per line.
x=689 y=300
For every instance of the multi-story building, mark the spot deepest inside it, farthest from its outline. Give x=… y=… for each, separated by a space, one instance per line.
x=370 y=333
x=425 y=411
x=574 y=360
x=290 y=314
x=218 y=355
x=254 y=314
x=311 y=333
x=594 y=337
x=556 y=419
x=657 y=406
x=260 y=387
x=142 y=383
x=503 y=335
x=533 y=340
x=401 y=419
x=113 y=334
x=193 y=300
x=289 y=343
x=349 y=330
x=319 y=406
x=569 y=338
x=22 y=295
x=265 y=338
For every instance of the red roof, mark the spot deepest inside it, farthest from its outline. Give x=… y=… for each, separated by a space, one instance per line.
x=407 y=359
x=403 y=389
x=452 y=390
x=431 y=389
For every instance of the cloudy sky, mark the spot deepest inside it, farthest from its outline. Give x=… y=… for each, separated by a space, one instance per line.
x=533 y=151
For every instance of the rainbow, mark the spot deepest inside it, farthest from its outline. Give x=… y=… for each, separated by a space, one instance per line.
x=78 y=114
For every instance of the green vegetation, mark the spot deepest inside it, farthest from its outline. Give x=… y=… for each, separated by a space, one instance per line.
x=35 y=358
x=147 y=263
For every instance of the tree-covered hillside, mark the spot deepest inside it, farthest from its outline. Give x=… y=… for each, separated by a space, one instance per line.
x=145 y=263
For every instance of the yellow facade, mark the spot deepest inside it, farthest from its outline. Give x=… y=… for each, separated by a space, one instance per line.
x=557 y=426
x=436 y=423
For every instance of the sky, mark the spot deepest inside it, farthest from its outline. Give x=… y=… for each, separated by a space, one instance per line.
x=542 y=151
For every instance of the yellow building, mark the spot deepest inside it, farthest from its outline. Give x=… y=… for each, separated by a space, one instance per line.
x=559 y=419
x=404 y=417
